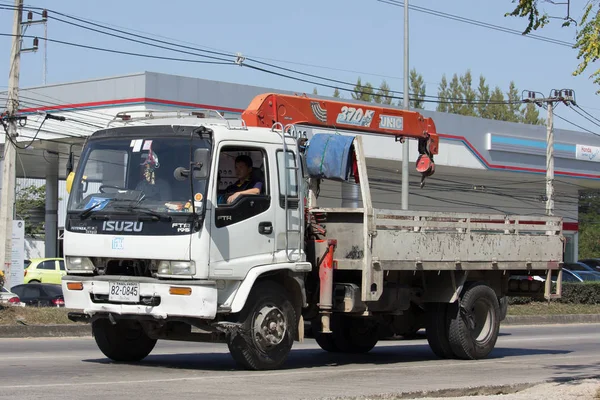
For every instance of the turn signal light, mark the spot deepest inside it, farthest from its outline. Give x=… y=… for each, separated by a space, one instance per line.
x=181 y=291
x=74 y=285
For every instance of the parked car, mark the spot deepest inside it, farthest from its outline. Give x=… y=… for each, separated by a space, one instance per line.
x=8 y=297
x=592 y=262
x=570 y=275
x=44 y=270
x=40 y=294
x=579 y=267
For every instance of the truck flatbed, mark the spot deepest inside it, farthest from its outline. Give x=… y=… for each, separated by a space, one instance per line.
x=419 y=240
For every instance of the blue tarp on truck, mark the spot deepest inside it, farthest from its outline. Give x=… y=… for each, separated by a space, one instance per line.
x=329 y=156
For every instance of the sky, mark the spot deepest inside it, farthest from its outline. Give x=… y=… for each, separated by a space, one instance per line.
x=338 y=39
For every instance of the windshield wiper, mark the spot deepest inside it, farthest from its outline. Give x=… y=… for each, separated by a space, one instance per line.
x=88 y=211
x=143 y=210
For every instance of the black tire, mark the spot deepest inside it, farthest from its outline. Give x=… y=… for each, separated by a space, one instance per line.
x=503 y=301
x=437 y=325
x=126 y=341
x=324 y=340
x=355 y=335
x=474 y=327
x=349 y=335
x=247 y=347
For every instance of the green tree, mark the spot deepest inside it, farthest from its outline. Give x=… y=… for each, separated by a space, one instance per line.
x=384 y=94
x=530 y=114
x=315 y=91
x=443 y=95
x=417 y=90
x=513 y=112
x=588 y=31
x=468 y=95
x=31 y=200
x=497 y=108
x=363 y=92
x=589 y=224
x=462 y=99
x=336 y=93
x=483 y=98
x=455 y=95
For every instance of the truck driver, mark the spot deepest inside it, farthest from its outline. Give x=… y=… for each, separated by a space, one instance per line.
x=247 y=182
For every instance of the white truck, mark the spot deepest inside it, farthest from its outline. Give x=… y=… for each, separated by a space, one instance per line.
x=183 y=225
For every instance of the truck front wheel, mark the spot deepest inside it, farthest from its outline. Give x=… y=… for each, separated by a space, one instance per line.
x=474 y=328
x=268 y=328
x=124 y=341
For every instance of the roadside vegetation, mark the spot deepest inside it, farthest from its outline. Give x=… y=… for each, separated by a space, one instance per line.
x=552 y=308
x=13 y=315
x=577 y=298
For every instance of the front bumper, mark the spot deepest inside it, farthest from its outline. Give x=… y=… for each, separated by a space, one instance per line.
x=155 y=297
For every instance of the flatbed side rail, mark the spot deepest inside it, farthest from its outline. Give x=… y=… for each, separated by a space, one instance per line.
x=418 y=221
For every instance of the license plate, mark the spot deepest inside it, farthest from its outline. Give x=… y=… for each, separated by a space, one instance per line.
x=128 y=292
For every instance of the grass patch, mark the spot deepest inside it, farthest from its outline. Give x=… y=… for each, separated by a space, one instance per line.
x=552 y=308
x=34 y=316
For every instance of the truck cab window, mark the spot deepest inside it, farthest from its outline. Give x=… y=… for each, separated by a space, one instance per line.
x=242 y=184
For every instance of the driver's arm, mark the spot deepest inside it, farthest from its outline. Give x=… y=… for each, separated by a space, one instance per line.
x=253 y=190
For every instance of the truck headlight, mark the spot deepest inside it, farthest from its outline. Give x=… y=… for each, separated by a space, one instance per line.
x=79 y=265
x=166 y=268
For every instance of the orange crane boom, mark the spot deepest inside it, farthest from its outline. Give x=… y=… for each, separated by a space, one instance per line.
x=267 y=109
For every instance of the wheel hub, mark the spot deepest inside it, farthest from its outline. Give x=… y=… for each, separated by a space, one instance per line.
x=270 y=326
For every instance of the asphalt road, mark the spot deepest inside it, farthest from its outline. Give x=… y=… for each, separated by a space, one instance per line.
x=74 y=368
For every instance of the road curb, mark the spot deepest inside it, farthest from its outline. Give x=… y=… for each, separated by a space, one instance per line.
x=29 y=331
x=551 y=319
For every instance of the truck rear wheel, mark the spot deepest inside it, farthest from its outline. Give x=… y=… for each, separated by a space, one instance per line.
x=124 y=341
x=474 y=328
x=268 y=328
x=437 y=325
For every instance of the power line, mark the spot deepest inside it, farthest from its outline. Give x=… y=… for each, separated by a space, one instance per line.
x=49 y=104
x=589 y=115
x=584 y=116
x=152 y=36
x=474 y=22
x=448 y=100
x=576 y=125
x=126 y=38
x=127 y=53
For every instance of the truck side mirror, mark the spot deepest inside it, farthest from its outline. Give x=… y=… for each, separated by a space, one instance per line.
x=199 y=166
x=201 y=163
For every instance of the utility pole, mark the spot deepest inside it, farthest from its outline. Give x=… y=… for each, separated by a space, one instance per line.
x=565 y=96
x=550 y=160
x=405 y=99
x=7 y=195
x=26 y=24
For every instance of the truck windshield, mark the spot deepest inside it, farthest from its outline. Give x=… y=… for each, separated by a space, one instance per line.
x=121 y=174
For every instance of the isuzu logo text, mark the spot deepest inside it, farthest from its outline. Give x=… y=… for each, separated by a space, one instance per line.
x=122 y=226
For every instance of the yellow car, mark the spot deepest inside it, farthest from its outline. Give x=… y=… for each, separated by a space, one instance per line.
x=44 y=270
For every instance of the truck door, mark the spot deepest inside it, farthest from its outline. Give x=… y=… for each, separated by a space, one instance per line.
x=242 y=231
